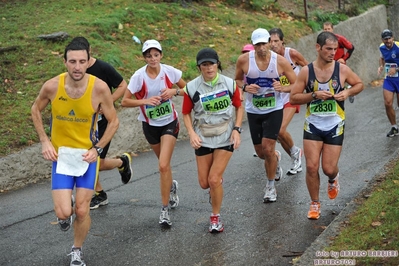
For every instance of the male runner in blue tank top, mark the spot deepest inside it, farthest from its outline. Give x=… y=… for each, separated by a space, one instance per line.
x=320 y=85
x=389 y=65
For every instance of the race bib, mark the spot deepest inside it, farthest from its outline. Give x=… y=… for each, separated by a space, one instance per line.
x=284 y=81
x=216 y=101
x=161 y=111
x=323 y=108
x=264 y=101
x=389 y=66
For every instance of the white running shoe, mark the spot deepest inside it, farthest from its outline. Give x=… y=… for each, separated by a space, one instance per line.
x=173 y=197
x=164 y=218
x=296 y=165
x=270 y=194
x=279 y=170
x=76 y=257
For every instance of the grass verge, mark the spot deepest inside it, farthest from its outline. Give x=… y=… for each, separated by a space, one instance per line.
x=373 y=229
x=109 y=27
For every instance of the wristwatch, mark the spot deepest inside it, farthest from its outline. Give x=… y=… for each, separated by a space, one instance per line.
x=243 y=87
x=177 y=92
x=314 y=95
x=238 y=129
x=98 y=149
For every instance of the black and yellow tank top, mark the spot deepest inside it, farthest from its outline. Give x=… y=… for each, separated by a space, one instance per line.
x=328 y=113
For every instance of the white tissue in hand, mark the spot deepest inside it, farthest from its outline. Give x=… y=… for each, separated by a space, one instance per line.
x=70 y=161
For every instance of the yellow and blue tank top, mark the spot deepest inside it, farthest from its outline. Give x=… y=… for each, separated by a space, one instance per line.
x=73 y=121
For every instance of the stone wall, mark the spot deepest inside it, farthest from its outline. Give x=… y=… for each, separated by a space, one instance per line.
x=364 y=32
x=28 y=165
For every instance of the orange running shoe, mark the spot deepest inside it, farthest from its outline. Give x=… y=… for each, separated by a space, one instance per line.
x=333 y=189
x=314 y=211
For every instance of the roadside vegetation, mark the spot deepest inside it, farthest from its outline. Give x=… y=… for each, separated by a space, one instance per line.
x=109 y=26
x=374 y=226
x=183 y=28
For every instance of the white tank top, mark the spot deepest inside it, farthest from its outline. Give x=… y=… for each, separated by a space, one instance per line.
x=267 y=99
x=286 y=95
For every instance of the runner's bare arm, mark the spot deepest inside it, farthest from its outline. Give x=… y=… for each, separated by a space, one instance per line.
x=297 y=95
x=46 y=94
x=298 y=58
x=129 y=100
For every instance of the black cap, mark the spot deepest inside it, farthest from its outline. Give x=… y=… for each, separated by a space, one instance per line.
x=386 y=34
x=207 y=55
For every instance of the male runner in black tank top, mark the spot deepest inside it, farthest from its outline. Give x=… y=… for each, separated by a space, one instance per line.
x=319 y=85
x=114 y=80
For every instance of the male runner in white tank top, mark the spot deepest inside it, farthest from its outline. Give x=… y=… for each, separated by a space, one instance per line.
x=296 y=61
x=263 y=102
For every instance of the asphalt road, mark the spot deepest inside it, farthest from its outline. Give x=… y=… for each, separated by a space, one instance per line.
x=126 y=232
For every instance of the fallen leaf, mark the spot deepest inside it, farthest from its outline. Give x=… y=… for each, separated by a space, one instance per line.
x=375 y=224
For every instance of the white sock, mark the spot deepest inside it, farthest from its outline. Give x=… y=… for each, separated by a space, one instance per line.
x=270 y=183
x=293 y=150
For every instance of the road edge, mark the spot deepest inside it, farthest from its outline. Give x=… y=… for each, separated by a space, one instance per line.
x=333 y=229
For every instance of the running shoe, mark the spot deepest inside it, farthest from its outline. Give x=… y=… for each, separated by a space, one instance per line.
x=296 y=165
x=164 y=218
x=76 y=257
x=279 y=170
x=173 y=197
x=66 y=224
x=72 y=202
x=270 y=194
x=98 y=200
x=333 y=188
x=393 y=132
x=216 y=225
x=314 y=211
x=126 y=169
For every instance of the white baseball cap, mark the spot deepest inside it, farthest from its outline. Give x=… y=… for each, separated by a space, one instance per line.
x=260 y=35
x=151 y=44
